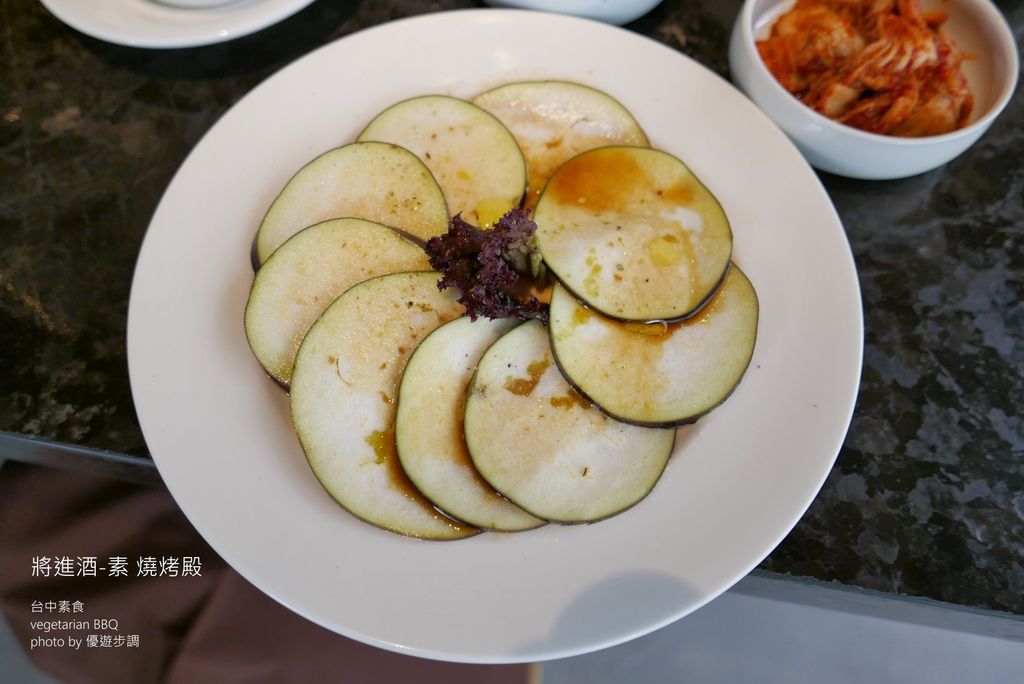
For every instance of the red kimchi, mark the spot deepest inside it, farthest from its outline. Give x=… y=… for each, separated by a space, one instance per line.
x=883 y=66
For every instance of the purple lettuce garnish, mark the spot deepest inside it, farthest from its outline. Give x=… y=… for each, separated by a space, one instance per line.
x=492 y=268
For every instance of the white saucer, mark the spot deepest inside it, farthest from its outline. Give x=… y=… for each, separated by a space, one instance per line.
x=148 y=24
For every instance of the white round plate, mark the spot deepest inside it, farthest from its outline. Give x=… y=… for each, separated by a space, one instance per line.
x=149 y=24
x=219 y=429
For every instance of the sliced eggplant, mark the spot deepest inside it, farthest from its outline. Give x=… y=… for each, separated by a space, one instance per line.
x=343 y=392
x=308 y=272
x=542 y=445
x=657 y=374
x=633 y=233
x=554 y=121
x=372 y=180
x=473 y=157
x=428 y=427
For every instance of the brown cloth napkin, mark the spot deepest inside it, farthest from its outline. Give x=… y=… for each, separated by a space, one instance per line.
x=214 y=627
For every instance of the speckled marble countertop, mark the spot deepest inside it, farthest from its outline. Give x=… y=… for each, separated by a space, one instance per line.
x=927 y=495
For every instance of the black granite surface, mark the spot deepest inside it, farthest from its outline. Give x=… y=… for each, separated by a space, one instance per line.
x=927 y=496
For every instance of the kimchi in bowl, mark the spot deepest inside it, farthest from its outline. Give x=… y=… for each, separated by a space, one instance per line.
x=846 y=141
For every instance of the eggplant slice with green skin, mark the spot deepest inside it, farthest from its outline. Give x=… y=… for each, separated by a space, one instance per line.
x=657 y=374
x=428 y=427
x=371 y=180
x=308 y=272
x=343 y=392
x=471 y=154
x=542 y=445
x=633 y=233
x=554 y=121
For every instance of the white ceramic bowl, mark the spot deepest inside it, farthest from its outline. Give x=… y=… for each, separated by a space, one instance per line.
x=978 y=29
x=610 y=11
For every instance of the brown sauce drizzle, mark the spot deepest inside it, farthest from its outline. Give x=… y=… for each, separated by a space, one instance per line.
x=383 y=443
x=457 y=437
x=678 y=193
x=524 y=386
x=573 y=398
x=604 y=180
x=384 y=446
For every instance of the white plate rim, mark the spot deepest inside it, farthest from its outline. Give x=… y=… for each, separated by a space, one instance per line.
x=612 y=603
x=148 y=24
